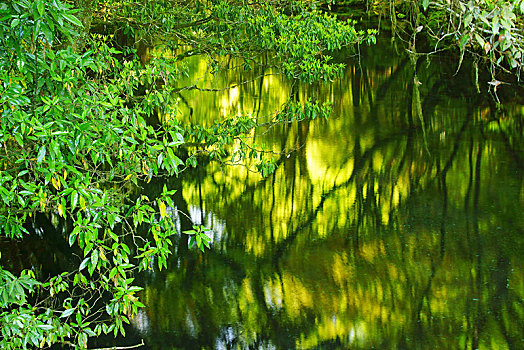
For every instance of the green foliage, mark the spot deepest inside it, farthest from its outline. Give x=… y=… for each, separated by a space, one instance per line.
x=298 y=41
x=298 y=35
x=72 y=128
x=294 y=111
x=489 y=29
x=216 y=139
x=78 y=135
x=198 y=236
x=493 y=27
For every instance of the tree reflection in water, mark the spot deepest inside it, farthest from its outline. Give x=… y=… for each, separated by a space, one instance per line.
x=395 y=224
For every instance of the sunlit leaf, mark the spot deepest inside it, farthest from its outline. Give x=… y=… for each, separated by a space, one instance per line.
x=61 y=210
x=67 y=313
x=41 y=154
x=83 y=264
x=72 y=238
x=40 y=6
x=163 y=210
x=72 y=19
x=74 y=199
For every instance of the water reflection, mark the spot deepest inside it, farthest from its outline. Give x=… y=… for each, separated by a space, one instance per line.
x=397 y=223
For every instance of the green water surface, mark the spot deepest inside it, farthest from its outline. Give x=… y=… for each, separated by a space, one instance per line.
x=397 y=223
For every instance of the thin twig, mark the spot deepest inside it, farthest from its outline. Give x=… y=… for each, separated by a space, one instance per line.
x=123 y=347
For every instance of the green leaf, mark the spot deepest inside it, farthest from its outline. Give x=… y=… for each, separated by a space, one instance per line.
x=40 y=6
x=72 y=19
x=94 y=257
x=67 y=312
x=15 y=22
x=468 y=19
x=464 y=40
x=83 y=264
x=45 y=327
x=72 y=238
x=74 y=199
x=91 y=269
x=19 y=139
x=113 y=273
x=480 y=39
x=94 y=156
x=41 y=154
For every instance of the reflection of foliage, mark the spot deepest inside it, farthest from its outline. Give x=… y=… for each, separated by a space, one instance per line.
x=368 y=241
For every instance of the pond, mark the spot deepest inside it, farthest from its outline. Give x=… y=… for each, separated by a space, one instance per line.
x=395 y=223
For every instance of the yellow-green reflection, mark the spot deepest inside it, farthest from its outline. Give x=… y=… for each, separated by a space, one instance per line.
x=379 y=231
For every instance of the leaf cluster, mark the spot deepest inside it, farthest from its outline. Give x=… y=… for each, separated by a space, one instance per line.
x=492 y=30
